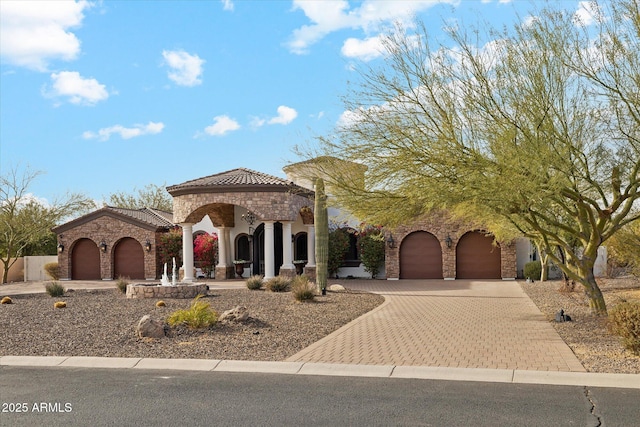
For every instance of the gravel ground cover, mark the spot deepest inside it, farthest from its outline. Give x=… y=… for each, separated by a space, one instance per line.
x=588 y=335
x=102 y=323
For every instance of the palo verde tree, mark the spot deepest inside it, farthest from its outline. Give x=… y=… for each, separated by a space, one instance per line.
x=530 y=131
x=151 y=196
x=26 y=221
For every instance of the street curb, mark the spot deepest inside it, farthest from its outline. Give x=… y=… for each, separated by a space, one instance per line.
x=515 y=376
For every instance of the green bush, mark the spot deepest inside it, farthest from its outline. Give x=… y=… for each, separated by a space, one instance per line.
x=122 y=283
x=51 y=268
x=254 y=282
x=371 y=244
x=278 y=284
x=302 y=289
x=54 y=289
x=198 y=316
x=533 y=270
x=625 y=321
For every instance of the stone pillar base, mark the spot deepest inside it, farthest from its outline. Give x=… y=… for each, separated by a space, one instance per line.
x=287 y=272
x=310 y=272
x=225 y=273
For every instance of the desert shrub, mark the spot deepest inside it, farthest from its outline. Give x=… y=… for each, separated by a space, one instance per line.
x=198 y=316
x=623 y=248
x=254 y=282
x=54 y=289
x=51 y=268
x=624 y=320
x=338 y=248
x=533 y=270
x=122 y=283
x=371 y=245
x=278 y=284
x=302 y=289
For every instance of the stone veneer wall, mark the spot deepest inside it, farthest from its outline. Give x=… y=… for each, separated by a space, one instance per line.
x=111 y=230
x=180 y=291
x=268 y=205
x=440 y=225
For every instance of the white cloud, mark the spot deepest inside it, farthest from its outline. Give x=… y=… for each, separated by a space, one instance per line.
x=366 y=50
x=32 y=33
x=79 y=90
x=587 y=13
x=227 y=5
x=104 y=134
x=221 y=126
x=186 y=69
x=327 y=17
x=285 y=116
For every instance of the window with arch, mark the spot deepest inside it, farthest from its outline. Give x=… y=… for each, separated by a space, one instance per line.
x=300 y=247
x=243 y=247
x=352 y=258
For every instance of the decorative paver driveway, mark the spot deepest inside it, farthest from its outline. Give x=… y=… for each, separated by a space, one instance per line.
x=462 y=323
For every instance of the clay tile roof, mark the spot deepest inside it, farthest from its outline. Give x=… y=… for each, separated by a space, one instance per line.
x=149 y=216
x=240 y=178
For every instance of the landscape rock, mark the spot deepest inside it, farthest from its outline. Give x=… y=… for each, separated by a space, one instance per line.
x=335 y=288
x=6 y=300
x=150 y=328
x=237 y=314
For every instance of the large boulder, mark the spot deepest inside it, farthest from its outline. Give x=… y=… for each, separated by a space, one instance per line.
x=236 y=314
x=150 y=328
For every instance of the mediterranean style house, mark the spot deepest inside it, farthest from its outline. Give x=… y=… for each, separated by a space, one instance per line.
x=266 y=224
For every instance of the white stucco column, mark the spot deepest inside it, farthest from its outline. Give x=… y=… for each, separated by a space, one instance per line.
x=269 y=256
x=287 y=253
x=187 y=251
x=222 y=246
x=311 y=245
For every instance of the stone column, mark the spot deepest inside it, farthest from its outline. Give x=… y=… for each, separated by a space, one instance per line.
x=222 y=247
x=269 y=256
x=287 y=268
x=311 y=245
x=187 y=251
x=310 y=267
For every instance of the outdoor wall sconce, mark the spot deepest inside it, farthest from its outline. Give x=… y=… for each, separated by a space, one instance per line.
x=103 y=246
x=390 y=242
x=60 y=248
x=147 y=246
x=249 y=217
x=448 y=241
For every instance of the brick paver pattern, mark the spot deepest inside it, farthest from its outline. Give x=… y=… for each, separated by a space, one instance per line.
x=462 y=323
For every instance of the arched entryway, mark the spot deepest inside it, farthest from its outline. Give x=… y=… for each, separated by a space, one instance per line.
x=128 y=259
x=420 y=256
x=85 y=260
x=477 y=257
x=259 y=251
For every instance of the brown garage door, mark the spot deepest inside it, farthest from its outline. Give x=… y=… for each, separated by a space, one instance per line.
x=85 y=261
x=420 y=256
x=477 y=257
x=129 y=259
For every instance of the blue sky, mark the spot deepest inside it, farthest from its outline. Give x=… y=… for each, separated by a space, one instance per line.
x=108 y=96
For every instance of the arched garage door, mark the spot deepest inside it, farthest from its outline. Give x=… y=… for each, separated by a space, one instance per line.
x=420 y=256
x=129 y=259
x=85 y=260
x=477 y=257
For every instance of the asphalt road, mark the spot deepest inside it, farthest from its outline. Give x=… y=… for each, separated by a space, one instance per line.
x=121 y=397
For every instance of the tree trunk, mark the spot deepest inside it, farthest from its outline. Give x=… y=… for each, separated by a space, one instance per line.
x=321 y=222
x=544 y=262
x=593 y=292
